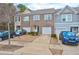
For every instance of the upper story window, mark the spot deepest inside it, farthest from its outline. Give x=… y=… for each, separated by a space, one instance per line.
x=66 y=17
x=36 y=17
x=26 y=18
x=48 y=17
x=17 y=19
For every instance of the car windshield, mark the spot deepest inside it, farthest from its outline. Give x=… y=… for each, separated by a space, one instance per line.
x=69 y=34
x=19 y=31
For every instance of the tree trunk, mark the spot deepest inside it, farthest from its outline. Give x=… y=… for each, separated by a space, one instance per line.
x=9 y=43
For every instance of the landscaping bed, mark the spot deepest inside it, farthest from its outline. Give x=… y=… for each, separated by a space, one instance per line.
x=9 y=48
x=25 y=38
x=56 y=51
x=53 y=40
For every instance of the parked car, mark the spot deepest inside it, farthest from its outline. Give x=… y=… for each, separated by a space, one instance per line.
x=4 y=35
x=20 y=32
x=12 y=33
x=77 y=35
x=68 y=38
x=1 y=36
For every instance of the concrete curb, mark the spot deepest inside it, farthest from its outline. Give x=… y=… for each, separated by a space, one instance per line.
x=9 y=53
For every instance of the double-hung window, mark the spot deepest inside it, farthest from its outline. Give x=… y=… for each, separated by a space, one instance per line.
x=66 y=17
x=36 y=17
x=48 y=17
x=26 y=18
x=17 y=19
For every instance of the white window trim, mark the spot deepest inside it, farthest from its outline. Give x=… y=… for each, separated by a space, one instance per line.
x=36 y=17
x=24 y=19
x=17 y=19
x=66 y=18
x=46 y=17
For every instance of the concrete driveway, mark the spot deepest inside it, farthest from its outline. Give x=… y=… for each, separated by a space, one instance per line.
x=40 y=46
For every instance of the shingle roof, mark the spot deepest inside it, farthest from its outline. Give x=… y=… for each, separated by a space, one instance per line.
x=51 y=10
x=76 y=9
x=43 y=11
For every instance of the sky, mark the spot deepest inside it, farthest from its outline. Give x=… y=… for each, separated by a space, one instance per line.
x=36 y=6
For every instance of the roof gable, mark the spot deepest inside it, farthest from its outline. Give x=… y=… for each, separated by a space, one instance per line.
x=67 y=9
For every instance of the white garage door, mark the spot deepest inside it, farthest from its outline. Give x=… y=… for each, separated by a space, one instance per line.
x=28 y=29
x=46 y=30
x=59 y=30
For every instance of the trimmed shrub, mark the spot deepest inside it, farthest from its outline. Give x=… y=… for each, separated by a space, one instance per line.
x=33 y=33
x=54 y=35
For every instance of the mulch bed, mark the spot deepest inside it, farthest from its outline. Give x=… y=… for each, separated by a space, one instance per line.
x=25 y=38
x=9 y=48
x=56 y=51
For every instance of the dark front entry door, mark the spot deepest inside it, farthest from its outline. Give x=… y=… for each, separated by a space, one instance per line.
x=74 y=29
x=36 y=28
x=18 y=27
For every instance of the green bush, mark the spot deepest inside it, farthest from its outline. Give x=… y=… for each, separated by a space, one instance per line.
x=54 y=35
x=33 y=33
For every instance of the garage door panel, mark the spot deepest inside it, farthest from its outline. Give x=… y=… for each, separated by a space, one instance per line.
x=46 y=30
x=58 y=30
x=28 y=29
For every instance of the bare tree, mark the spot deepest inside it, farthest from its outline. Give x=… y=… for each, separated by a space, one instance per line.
x=7 y=10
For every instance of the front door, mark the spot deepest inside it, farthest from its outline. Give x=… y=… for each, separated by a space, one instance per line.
x=74 y=29
x=36 y=28
x=18 y=28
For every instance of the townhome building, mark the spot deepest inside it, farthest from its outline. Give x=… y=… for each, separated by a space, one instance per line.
x=49 y=21
x=67 y=19
x=41 y=21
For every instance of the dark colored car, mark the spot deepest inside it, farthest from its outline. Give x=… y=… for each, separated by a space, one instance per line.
x=20 y=32
x=4 y=35
x=68 y=38
x=12 y=33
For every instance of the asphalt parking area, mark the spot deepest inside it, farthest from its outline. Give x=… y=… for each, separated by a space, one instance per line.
x=70 y=50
